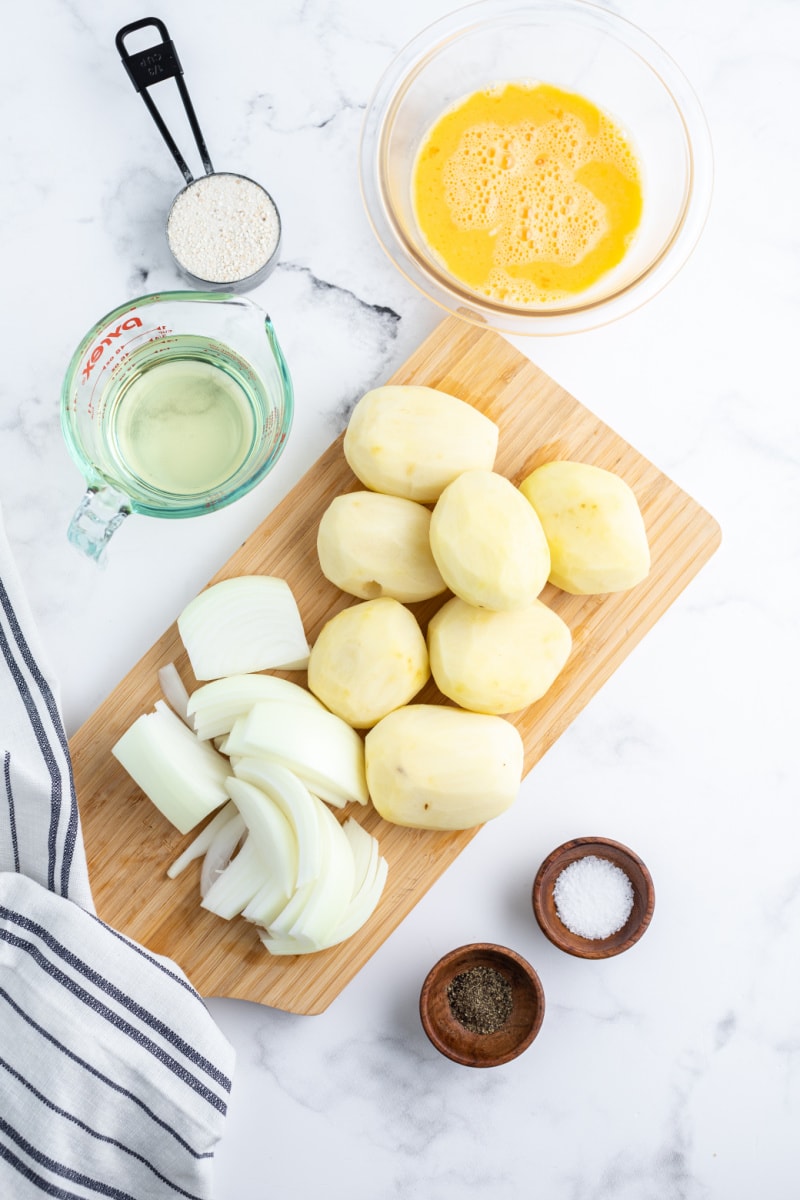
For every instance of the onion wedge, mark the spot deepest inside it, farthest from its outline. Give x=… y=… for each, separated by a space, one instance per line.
x=321 y=748
x=286 y=945
x=213 y=708
x=361 y=907
x=365 y=852
x=174 y=690
x=221 y=851
x=244 y=624
x=316 y=909
x=369 y=888
x=297 y=805
x=334 y=888
x=184 y=777
x=198 y=847
x=233 y=890
x=285 y=920
x=294 y=931
x=270 y=831
x=267 y=904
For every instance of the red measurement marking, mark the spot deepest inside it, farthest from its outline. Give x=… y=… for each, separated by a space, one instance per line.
x=99 y=350
x=142 y=336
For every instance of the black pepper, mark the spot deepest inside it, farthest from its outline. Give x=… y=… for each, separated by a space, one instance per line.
x=480 y=999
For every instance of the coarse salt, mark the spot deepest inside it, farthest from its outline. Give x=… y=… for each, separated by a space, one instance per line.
x=223 y=228
x=593 y=897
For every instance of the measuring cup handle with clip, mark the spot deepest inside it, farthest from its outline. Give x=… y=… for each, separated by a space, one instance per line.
x=148 y=67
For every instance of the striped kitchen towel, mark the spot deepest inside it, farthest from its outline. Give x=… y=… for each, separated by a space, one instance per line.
x=114 y=1079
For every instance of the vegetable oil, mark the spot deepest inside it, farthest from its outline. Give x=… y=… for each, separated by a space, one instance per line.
x=183 y=422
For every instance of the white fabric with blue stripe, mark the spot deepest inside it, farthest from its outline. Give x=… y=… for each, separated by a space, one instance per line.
x=114 y=1079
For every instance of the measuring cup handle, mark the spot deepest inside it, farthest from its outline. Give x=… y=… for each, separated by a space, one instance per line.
x=148 y=67
x=99 y=514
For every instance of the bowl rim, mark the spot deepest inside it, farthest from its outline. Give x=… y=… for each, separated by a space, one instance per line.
x=644 y=891
x=442 y=288
x=439 y=976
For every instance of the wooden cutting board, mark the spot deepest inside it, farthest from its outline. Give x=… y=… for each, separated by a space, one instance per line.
x=129 y=844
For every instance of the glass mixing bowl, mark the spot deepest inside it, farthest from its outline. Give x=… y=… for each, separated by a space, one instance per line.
x=578 y=47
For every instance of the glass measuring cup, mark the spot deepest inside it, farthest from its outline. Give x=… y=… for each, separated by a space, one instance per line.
x=173 y=405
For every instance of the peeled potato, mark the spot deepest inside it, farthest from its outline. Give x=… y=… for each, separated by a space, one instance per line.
x=432 y=767
x=488 y=549
x=496 y=662
x=373 y=545
x=412 y=441
x=598 y=542
x=368 y=660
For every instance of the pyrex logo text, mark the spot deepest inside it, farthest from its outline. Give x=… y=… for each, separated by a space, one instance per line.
x=99 y=350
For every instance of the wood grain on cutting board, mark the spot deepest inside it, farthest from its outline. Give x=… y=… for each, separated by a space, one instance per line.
x=129 y=844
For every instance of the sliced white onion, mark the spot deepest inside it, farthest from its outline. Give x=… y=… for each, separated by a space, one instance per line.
x=183 y=776
x=233 y=890
x=365 y=851
x=214 y=707
x=361 y=908
x=161 y=706
x=287 y=945
x=317 y=908
x=297 y=805
x=330 y=899
x=294 y=932
x=270 y=831
x=198 y=847
x=174 y=689
x=365 y=899
x=268 y=754
x=248 y=623
x=267 y=904
x=326 y=753
x=286 y=919
x=221 y=851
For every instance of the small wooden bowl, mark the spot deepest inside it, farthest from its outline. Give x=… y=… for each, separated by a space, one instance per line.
x=544 y=906
x=453 y=1039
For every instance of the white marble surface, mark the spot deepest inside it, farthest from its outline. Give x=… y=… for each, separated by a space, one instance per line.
x=672 y=1072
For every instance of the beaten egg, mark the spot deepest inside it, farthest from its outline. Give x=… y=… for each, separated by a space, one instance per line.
x=527 y=194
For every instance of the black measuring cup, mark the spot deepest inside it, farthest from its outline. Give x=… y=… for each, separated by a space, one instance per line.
x=223 y=229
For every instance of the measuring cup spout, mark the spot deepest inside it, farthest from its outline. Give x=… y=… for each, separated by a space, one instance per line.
x=99 y=514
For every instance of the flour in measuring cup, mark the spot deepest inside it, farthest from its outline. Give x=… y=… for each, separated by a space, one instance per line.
x=223 y=228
